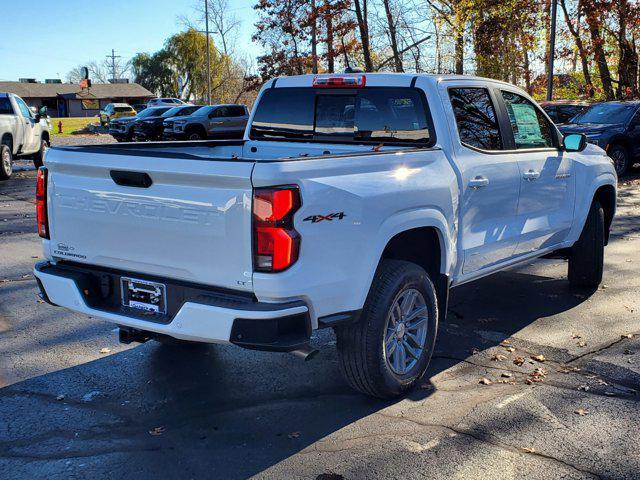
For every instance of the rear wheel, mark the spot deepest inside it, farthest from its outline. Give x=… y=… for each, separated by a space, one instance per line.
x=586 y=259
x=38 y=157
x=389 y=349
x=6 y=162
x=620 y=159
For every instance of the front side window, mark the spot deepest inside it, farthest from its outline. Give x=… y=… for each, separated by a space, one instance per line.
x=368 y=115
x=24 y=109
x=530 y=127
x=476 y=118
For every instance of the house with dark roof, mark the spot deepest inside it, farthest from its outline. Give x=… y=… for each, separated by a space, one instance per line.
x=71 y=100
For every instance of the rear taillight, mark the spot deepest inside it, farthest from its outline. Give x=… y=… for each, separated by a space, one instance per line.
x=275 y=242
x=41 y=203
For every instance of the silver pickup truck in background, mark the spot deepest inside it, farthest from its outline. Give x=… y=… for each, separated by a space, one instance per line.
x=22 y=133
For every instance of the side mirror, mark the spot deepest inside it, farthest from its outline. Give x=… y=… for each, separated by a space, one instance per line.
x=43 y=111
x=575 y=142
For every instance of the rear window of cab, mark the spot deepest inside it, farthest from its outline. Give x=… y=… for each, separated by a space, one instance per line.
x=394 y=116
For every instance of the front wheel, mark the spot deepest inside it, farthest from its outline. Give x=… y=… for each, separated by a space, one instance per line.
x=6 y=162
x=195 y=135
x=586 y=259
x=620 y=159
x=38 y=157
x=389 y=349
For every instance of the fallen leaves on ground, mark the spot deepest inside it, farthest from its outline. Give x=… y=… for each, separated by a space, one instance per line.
x=536 y=376
x=538 y=358
x=627 y=335
x=568 y=370
x=528 y=450
x=498 y=357
x=582 y=344
x=584 y=388
x=518 y=361
x=509 y=349
x=156 y=431
x=485 y=381
x=507 y=375
x=105 y=350
x=582 y=412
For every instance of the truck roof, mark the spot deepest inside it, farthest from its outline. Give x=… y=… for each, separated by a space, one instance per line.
x=380 y=79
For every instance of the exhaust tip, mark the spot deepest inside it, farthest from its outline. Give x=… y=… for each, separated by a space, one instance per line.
x=305 y=353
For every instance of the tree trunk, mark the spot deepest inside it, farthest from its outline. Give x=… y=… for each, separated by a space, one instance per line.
x=314 y=38
x=527 y=71
x=584 y=59
x=397 y=60
x=458 y=39
x=330 y=53
x=599 y=54
x=363 y=27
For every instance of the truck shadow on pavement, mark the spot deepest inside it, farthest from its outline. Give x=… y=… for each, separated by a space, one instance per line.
x=223 y=412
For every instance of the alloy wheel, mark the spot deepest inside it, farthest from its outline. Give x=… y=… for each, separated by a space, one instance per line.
x=405 y=331
x=6 y=162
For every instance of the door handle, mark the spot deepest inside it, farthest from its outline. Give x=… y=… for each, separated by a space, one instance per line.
x=531 y=175
x=478 y=182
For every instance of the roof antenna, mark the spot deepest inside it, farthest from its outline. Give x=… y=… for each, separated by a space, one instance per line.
x=346 y=60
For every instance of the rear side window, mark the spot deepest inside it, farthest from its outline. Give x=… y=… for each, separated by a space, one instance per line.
x=369 y=115
x=476 y=118
x=236 y=111
x=531 y=129
x=122 y=109
x=5 y=106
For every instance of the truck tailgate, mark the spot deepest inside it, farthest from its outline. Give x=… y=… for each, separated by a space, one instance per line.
x=192 y=223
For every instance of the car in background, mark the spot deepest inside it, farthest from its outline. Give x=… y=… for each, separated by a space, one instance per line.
x=151 y=128
x=115 y=110
x=613 y=126
x=22 y=133
x=172 y=102
x=122 y=129
x=174 y=114
x=139 y=107
x=213 y=121
x=561 y=111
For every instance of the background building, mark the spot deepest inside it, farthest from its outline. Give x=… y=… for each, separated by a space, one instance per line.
x=70 y=100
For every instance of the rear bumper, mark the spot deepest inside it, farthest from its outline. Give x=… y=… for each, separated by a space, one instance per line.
x=196 y=312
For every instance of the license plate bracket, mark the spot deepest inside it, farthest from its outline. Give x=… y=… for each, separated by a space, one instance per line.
x=149 y=297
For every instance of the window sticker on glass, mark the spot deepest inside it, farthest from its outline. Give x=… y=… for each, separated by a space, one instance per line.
x=528 y=129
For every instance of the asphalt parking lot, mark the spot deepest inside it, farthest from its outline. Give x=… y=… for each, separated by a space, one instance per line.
x=76 y=404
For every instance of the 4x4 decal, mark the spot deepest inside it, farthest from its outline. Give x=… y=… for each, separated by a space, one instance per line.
x=330 y=217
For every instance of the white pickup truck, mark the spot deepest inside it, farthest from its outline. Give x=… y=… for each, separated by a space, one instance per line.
x=22 y=133
x=354 y=202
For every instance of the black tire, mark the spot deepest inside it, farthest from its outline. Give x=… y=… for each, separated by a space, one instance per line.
x=620 y=159
x=6 y=162
x=38 y=157
x=361 y=346
x=586 y=259
x=194 y=134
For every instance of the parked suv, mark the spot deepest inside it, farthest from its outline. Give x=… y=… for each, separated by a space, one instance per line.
x=115 y=110
x=155 y=102
x=219 y=121
x=561 y=111
x=22 y=133
x=614 y=126
x=122 y=129
x=151 y=128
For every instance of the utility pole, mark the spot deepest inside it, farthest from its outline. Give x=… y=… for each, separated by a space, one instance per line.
x=206 y=27
x=113 y=57
x=552 y=49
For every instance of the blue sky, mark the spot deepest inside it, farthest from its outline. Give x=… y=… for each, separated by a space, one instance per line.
x=45 y=39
